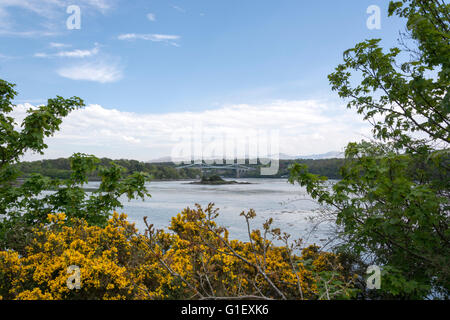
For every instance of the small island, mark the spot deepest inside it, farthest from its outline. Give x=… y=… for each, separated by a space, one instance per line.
x=216 y=180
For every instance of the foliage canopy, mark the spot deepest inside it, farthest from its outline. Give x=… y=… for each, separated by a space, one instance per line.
x=393 y=202
x=23 y=205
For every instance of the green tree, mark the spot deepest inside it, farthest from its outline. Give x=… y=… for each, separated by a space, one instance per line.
x=23 y=205
x=392 y=203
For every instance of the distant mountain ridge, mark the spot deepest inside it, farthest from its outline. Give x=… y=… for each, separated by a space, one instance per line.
x=328 y=155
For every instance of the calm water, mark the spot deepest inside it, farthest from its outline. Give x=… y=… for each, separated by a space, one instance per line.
x=289 y=205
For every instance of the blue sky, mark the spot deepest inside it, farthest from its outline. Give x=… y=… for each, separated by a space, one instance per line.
x=158 y=58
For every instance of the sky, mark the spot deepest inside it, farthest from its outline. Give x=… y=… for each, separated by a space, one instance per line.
x=148 y=69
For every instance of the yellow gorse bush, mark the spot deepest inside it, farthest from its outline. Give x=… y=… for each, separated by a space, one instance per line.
x=194 y=260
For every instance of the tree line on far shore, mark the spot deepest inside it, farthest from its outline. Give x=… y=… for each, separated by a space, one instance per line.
x=60 y=169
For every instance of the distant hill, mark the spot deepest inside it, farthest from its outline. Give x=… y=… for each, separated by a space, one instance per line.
x=160 y=160
x=328 y=155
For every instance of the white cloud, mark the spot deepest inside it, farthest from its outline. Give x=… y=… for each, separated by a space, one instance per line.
x=59 y=45
x=50 y=11
x=102 y=5
x=97 y=72
x=5 y=57
x=151 y=37
x=70 y=54
x=168 y=38
x=78 y=53
x=41 y=55
x=305 y=127
x=28 y=34
x=178 y=8
x=151 y=16
x=50 y=8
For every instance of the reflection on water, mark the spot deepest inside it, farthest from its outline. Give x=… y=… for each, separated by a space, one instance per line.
x=288 y=205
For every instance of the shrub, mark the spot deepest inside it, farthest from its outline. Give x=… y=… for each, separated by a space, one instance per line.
x=195 y=260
